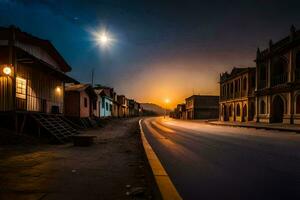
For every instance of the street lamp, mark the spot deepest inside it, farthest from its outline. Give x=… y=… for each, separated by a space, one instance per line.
x=7 y=70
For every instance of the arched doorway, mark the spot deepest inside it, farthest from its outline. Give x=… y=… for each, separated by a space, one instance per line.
x=278 y=109
x=244 y=115
x=225 y=113
x=251 y=111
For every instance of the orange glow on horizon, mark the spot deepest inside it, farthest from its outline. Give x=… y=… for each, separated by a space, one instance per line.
x=158 y=85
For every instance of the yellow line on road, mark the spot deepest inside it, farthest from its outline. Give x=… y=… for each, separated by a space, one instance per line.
x=165 y=185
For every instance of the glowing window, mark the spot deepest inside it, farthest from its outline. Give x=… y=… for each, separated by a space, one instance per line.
x=21 y=88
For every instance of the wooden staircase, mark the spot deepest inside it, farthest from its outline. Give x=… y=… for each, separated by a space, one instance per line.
x=57 y=127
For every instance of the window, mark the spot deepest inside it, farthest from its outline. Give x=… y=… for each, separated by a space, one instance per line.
x=298 y=104
x=21 y=88
x=85 y=102
x=103 y=103
x=106 y=106
x=238 y=110
x=262 y=107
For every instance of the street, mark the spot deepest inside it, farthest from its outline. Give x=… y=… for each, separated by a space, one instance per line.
x=218 y=162
x=112 y=168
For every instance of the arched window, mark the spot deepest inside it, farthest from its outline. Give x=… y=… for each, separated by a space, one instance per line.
x=245 y=83
x=298 y=60
x=262 y=107
x=245 y=110
x=298 y=104
x=238 y=110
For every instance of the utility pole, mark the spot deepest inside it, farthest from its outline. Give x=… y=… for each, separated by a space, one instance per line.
x=93 y=77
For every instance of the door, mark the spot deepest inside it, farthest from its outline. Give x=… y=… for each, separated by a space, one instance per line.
x=278 y=110
x=244 y=117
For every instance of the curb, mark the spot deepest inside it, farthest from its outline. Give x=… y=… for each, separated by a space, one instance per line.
x=255 y=127
x=164 y=183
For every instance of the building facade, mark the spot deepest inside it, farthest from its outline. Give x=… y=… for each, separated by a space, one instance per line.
x=105 y=101
x=122 y=102
x=202 y=107
x=80 y=101
x=278 y=81
x=32 y=77
x=237 y=98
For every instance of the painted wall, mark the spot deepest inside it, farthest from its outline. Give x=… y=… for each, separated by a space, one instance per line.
x=105 y=107
x=84 y=104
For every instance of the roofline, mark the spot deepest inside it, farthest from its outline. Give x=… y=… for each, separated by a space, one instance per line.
x=17 y=30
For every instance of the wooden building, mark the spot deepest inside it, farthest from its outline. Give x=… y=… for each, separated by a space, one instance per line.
x=80 y=101
x=32 y=77
x=202 y=107
x=278 y=81
x=105 y=101
x=237 y=100
x=122 y=108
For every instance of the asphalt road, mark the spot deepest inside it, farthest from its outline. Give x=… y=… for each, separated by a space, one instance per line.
x=216 y=162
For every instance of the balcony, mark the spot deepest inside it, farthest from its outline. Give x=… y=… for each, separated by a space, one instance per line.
x=279 y=79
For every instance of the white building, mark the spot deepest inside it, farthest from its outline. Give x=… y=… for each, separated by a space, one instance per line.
x=105 y=103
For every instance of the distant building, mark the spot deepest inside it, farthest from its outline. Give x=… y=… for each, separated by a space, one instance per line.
x=122 y=102
x=181 y=108
x=116 y=105
x=202 y=107
x=127 y=110
x=80 y=101
x=278 y=81
x=105 y=101
x=237 y=100
x=179 y=112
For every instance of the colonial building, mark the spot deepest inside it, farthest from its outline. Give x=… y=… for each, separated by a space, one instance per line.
x=202 y=107
x=237 y=100
x=278 y=81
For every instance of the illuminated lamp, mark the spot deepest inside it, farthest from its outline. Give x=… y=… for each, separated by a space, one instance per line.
x=58 y=90
x=7 y=70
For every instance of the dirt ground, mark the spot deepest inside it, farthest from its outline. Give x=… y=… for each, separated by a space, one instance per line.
x=115 y=167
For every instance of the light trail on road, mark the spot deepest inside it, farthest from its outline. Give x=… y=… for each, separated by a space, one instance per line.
x=215 y=162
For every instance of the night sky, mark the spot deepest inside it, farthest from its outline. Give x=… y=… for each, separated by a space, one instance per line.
x=161 y=49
